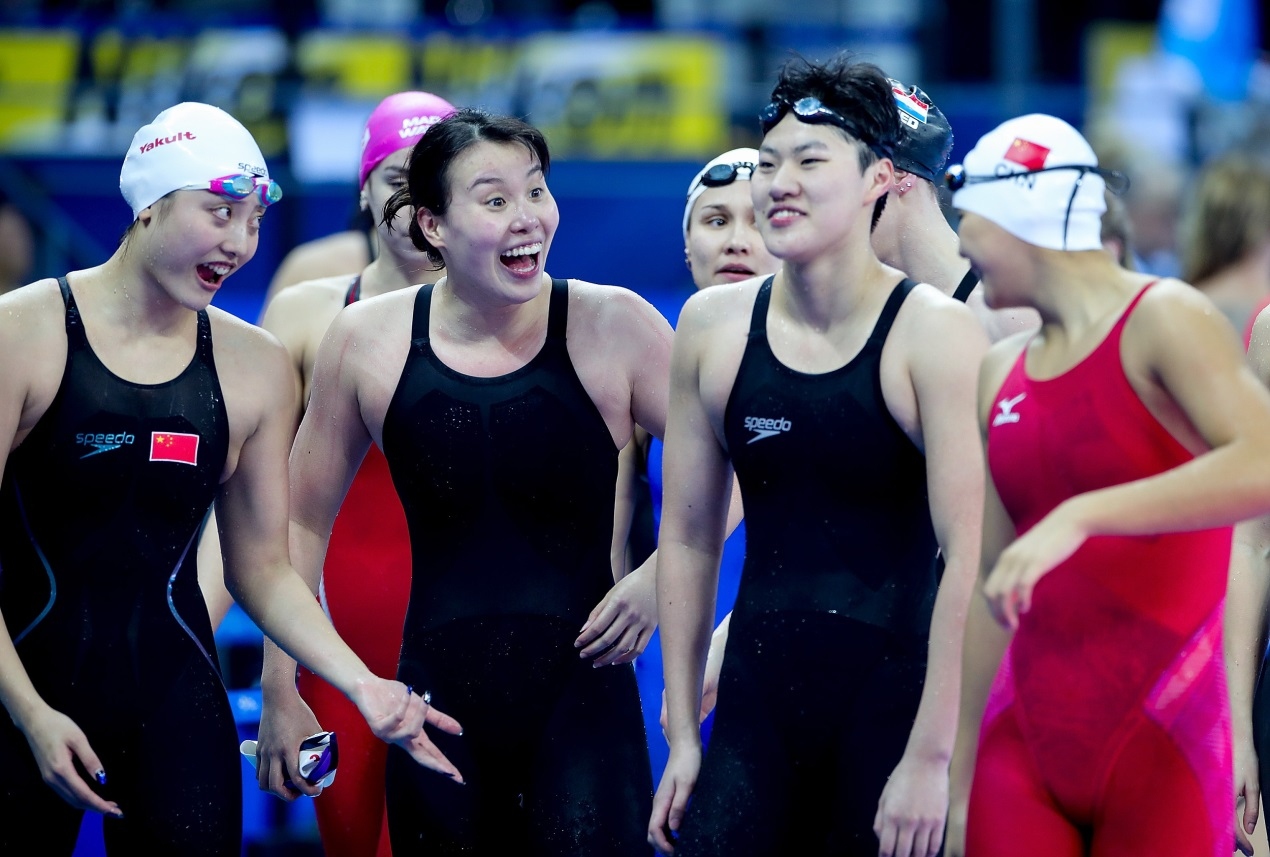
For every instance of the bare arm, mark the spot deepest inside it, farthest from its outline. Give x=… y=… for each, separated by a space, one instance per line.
x=912 y=810
x=984 y=641
x=252 y=509
x=632 y=335
x=211 y=574
x=285 y=719
x=292 y=317
x=630 y=464
x=286 y=318
x=698 y=482
x=1247 y=602
x=984 y=646
x=253 y=512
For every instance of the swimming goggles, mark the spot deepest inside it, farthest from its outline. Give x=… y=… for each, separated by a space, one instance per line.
x=1117 y=182
x=242 y=186
x=721 y=175
x=812 y=111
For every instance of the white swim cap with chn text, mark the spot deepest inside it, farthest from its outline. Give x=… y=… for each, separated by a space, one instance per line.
x=1038 y=179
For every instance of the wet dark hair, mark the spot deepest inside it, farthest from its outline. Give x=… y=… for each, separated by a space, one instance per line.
x=859 y=91
x=428 y=174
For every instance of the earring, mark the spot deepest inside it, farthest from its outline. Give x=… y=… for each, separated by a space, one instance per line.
x=905 y=187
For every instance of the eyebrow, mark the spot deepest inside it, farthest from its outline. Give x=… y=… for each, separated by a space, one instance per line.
x=495 y=180
x=799 y=149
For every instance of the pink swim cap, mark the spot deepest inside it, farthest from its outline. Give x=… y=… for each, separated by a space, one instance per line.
x=397 y=123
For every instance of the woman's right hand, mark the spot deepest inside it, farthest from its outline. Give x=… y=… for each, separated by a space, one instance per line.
x=57 y=742
x=671 y=800
x=285 y=721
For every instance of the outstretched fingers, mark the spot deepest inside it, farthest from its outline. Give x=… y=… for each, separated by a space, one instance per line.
x=423 y=751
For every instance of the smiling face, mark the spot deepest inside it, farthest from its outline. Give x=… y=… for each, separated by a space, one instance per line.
x=496 y=232
x=809 y=193
x=723 y=243
x=194 y=240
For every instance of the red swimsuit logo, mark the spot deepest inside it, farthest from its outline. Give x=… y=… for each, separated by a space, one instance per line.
x=159 y=141
x=174 y=446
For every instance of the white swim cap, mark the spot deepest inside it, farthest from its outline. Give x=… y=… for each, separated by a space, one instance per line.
x=1017 y=177
x=723 y=170
x=187 y=145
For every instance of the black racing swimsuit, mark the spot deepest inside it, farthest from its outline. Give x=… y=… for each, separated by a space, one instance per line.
x=826 y=653
x=100 y=510
x=508 y=486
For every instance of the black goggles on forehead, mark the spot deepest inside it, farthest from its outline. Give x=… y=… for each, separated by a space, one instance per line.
x=812 y=111
x=956 y=177
x=724 y=174
x=1117 y=182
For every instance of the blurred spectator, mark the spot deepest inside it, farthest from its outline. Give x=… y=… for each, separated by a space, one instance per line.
x=1153 y=203
x=1226 y=236
x=17 y=246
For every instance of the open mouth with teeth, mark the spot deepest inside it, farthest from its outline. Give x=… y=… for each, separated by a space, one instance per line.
x=211 y=273
x=523 y=259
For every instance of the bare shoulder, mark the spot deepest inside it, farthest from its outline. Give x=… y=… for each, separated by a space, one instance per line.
x=364 y=332
x=344 y=252
x=27 y=314
x=242 y=346
x=394 y=305
x=33 y=342
x=609 y=310
x=309 y=298
x=1169 y=299
x=927 y=307
x=720 y=307
x=1173 y=316
x=933 y=327
x=300 y=315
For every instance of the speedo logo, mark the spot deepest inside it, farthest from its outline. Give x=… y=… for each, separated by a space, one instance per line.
x=103 y=442
x=766 y=427
x=159 y=141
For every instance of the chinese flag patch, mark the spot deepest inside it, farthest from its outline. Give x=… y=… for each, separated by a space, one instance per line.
x=1028 y=155
x=174 y=446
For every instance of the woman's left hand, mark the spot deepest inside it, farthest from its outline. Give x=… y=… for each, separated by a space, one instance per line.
x=623 y=622
x=913 y=808
x=1033 y=555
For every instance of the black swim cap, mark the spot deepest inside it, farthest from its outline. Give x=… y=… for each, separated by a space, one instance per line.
x=927 y=140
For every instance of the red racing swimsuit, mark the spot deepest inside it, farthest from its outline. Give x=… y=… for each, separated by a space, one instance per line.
x=1107 y=730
